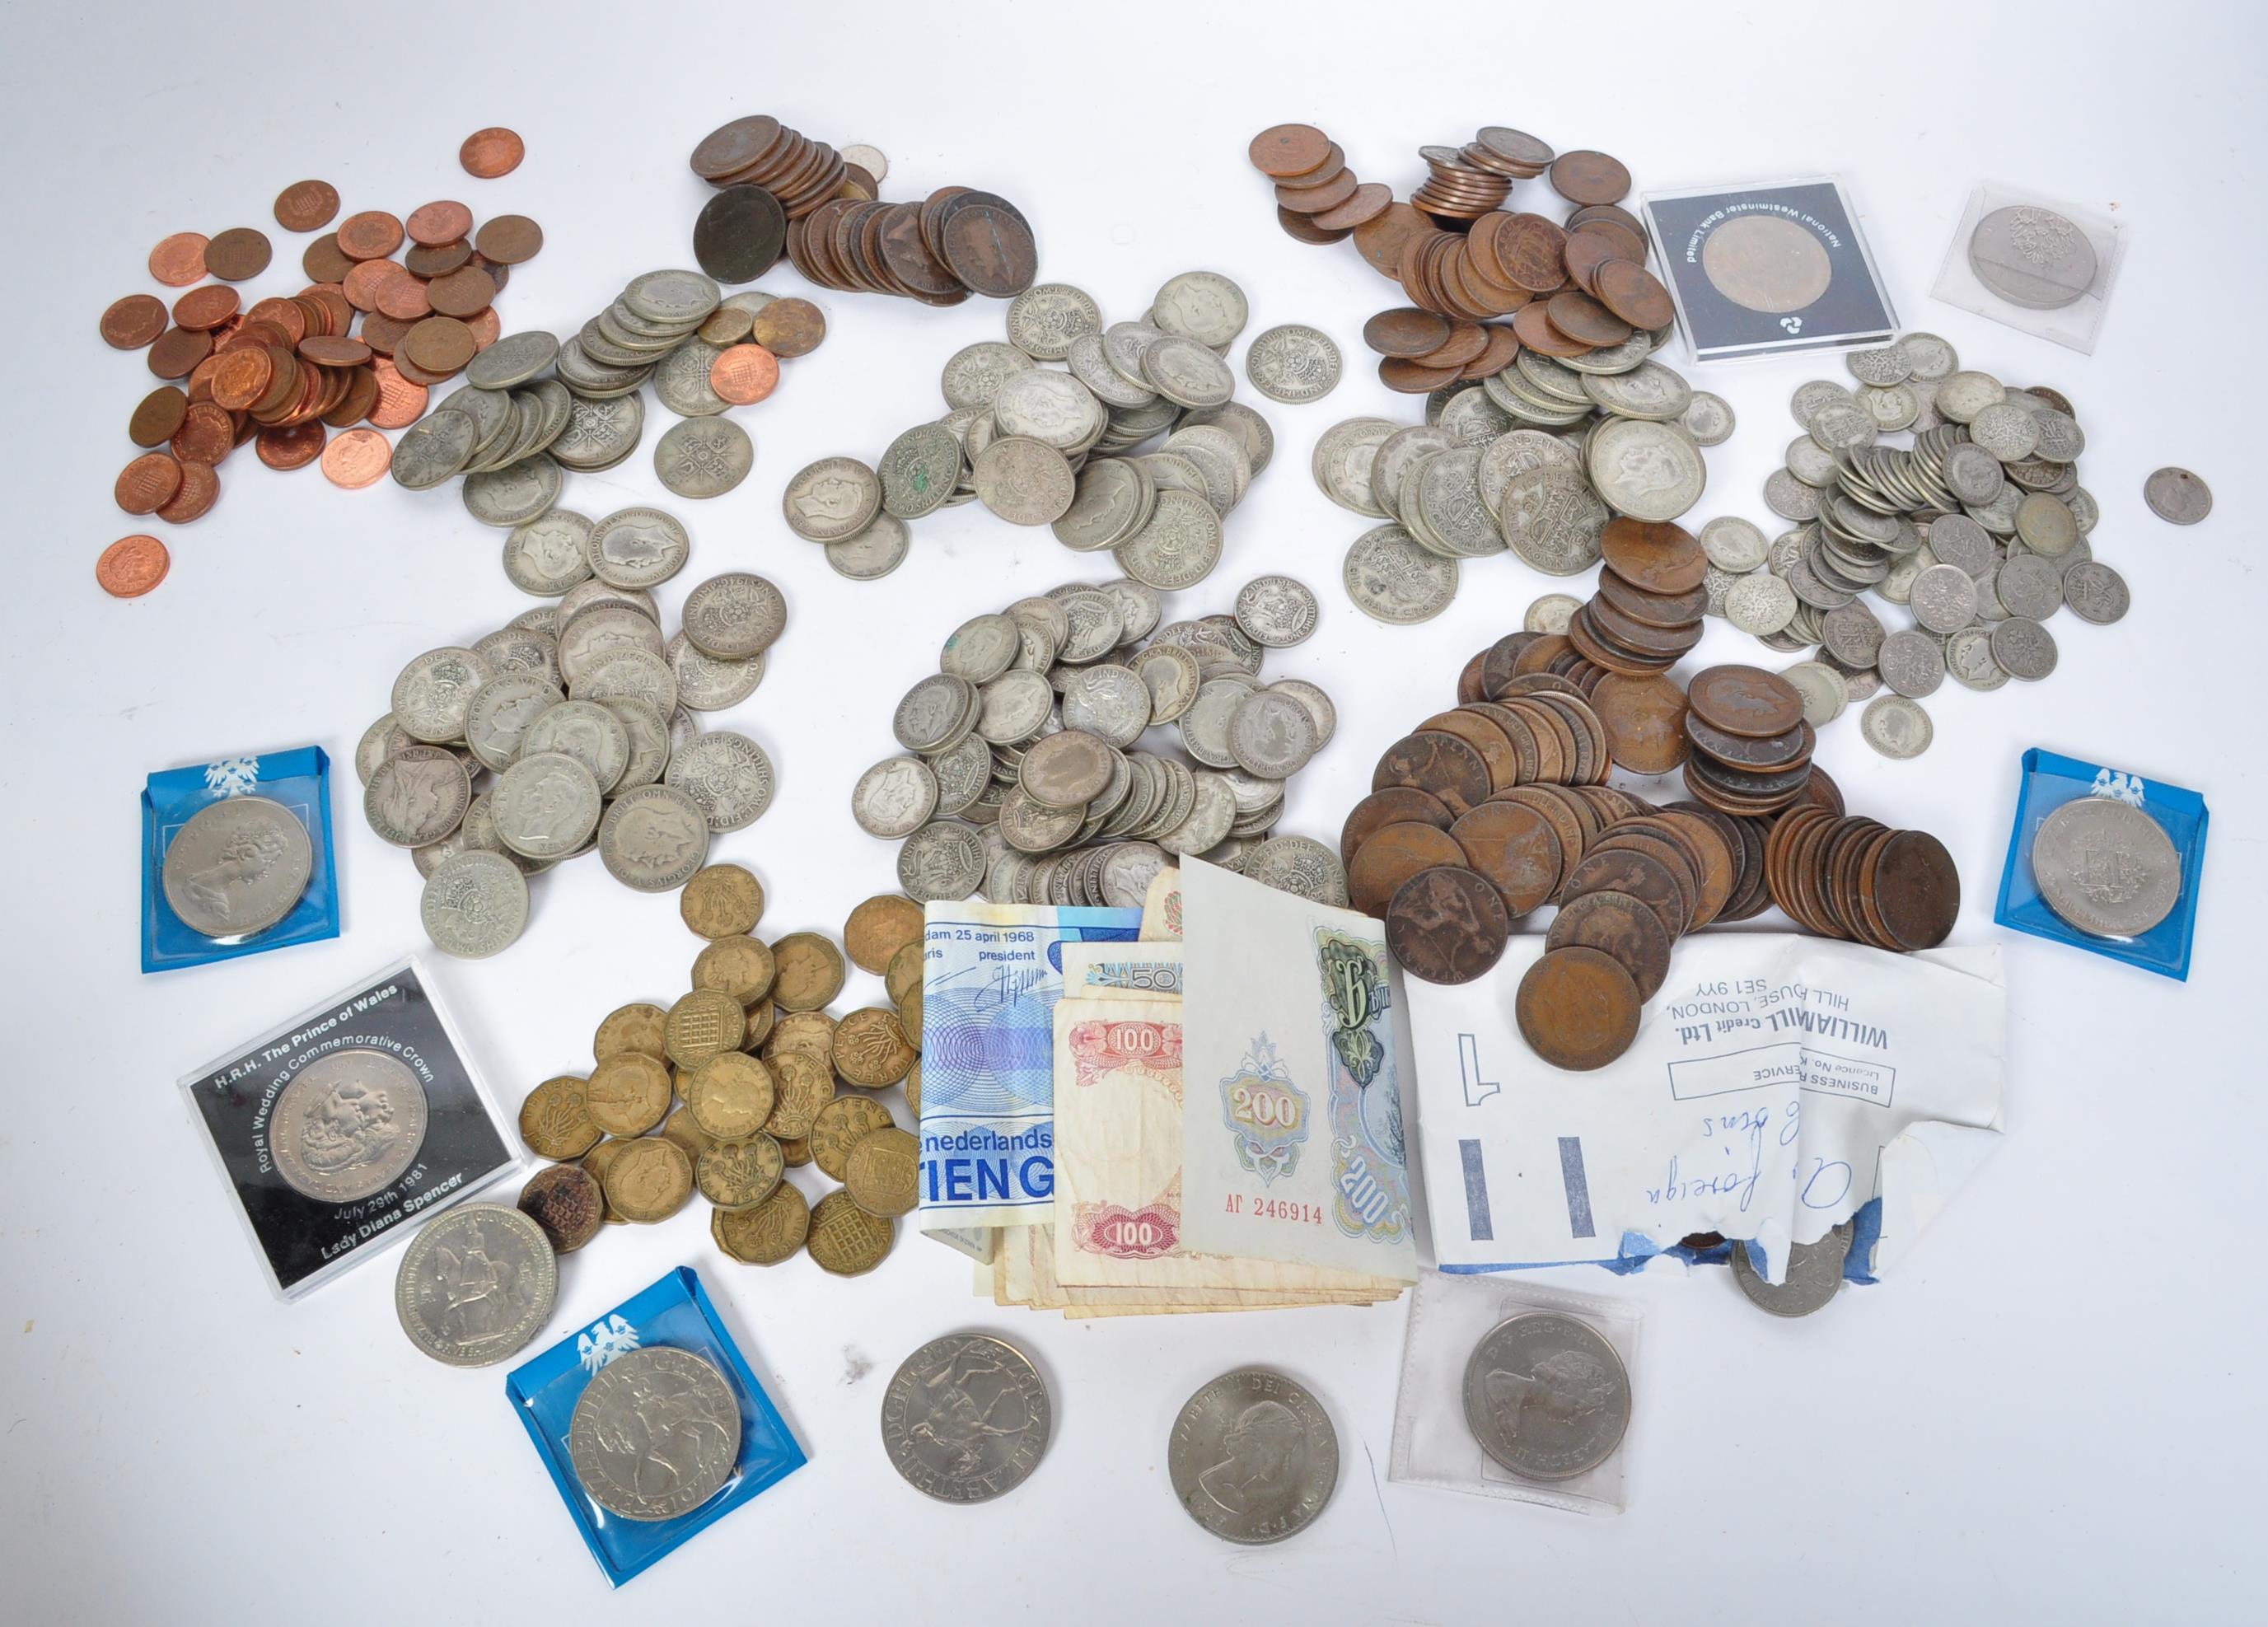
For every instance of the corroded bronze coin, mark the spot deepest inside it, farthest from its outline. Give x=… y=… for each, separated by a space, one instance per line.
x=1758 y=752
x=1386 y=807
x=1578 y=1008
x=1447 y=925
x=568 y=1203
x=1745 y=700
x=1659 y=556
x=488 y=153
x=790 y=327
x=987 y=244
x=1618 y=925
x=1404 y=330
x=1644 y=720
x=1634 y=294
x=1514 y=848
x=1389 y=856
x=1438 y=763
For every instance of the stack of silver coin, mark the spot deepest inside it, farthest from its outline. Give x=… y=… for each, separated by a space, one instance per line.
x=1535 y=459
x=582 y=712
x=1042 y=446
x=1023 y=777
x=1978 y=528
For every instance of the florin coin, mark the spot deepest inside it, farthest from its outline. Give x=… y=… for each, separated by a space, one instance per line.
x=656 y=1433
x=476 y=1284
x=966 y=1417
x=1253 y=1457
x=1546 y=1396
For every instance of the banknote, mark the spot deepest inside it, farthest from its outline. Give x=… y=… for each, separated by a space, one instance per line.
x=1122 y=971
x=1293 y=1140
x=992 y=974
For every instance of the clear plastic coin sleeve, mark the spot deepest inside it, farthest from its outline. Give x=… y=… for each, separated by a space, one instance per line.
x=667 y=1439
x=1459 y=1380
x=339 y=1129
x=2032 y=246
x=299 y=781
x=2049 y=782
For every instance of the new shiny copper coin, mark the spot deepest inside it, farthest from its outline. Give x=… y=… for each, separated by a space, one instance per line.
x=1589 y=177
x=145 y=485
x=179 y=259
x=178 y=352
x=157 y=416
x=1366 y=203
x=1644 y=719
x=1514 y=848
x=306 y=206
x=1914 y=888
x=1440 y=764
x=744 y=374
x=439 y=345
x=241 y=378
x=207 y=435
x=443 y=221
x=134 y=321
x=1393 y=854
x=372 y=235
x=131 y=566
x=1658 y=557
x=206 y=308
x=790 y=327
x=1282 y=151
x=293 y=448
x=1616 y=924
x=1745 y=700
x=324 y=261
x=491 y=153
x=1446 y=925
x=1394 y=804
x=1578 y=1008
x=357 y=458
x=401 y=404
x=508 y=239
x=1404 y=331
x=1580 y=317
x=327 y=351
x=200 y=490
x=237 y=253
x=1634 y=294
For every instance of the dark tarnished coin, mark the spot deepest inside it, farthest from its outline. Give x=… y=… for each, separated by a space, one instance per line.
x=237 y=254
x=1659 y=556
x=1578 y=1008
x=1440 y=764
x=1758 y=754
x=988 y=245
x=739 y=234
x=1645 y=876
x=1914 y=888
x=1515 y=850
x=1385 y=807
x=566 y=1200
x=1390 y=856
x=1405 y=331
x=1745 y=700
x=1616 y=924
x=1588 y=177
x=1644 y=718
x=1447 y=925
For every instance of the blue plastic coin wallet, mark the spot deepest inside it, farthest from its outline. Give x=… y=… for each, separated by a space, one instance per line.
x=675 y=1311
x=2049 y=782
x=300 y=781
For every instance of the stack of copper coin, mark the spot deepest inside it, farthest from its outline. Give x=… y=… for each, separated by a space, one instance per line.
x=1858 y=879
x=1318 y=198
x=759 y=151
x=1751 y=747
x=1459 y=188
x=1423 y=349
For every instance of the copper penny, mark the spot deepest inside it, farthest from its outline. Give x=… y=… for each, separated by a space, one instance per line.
x=1414 y=378
x=1465 y=341
x=1580 y=317
x=1644 y=876
x=1657 y=556
x=443 y=221
x=200 y=490
x=372 y=235
x=1822 y=792
x=1447 y=924
x=566 y=1202
x=327 y=351
x=1634 y=294
x=206 y=308
x=207 y=435
x=1390 y=856
x=131 y=566
x=1366 y=203
x=1535 y=327
x=306 y=206
x=1301 y=228
x=790 y=327
x=1483 y=735
x=1447 y=768
x=431 y=260
x=237 y=253
x=1578 y=1008
x=488 y=153
x=1468 y=679
x=1530 y=251
x=1915 y=889
x=134 y=321
x=1394 y=804
x=393 y=292
x=1305 y=199
x=1526 y=756
x=744 y=374
x=1763 y=753
x=242 y=379
x=179 y=259
x=1589 y=177
x=357 y=458
x=439 y=345
x=292 y=448
x=1514 y=848
x=1381 y=239
x=146 y=484
x=465 y=292
x=157 y=417
x=1588 y=251
x=1645 y=721
x=1745 y=700
x=400 y=402
x=1404 y=330
x=323 y=261
x=1618 y=925
x=1282 y=151
x=1503 y=348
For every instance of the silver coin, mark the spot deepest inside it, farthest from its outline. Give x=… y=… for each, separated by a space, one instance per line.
x=1962 y=396
x=237 y=867
x=650 y=745
x=920 y=470
x=1185 y=371
x=637 y=548
x=2177 y=497
x=1201 y=305
x=727 y=776
x=656 y=1434
x=1212 y=814
x=2032 y=257
x=503 y=711
x=1708 y=418
x=545 y=555
x=1815 y=1275
x=1734 y=545
x=1895 y=726
x=640 y=673
x=434 y=449
x=2095 y=592
x=1646 y=470
x=1649 y=390
x=519 y=652
x=1553 y=519
x=547 y=806
x=475 y=904
x=1343 y=458
x=1172 y=675
x=1278 y=611
x=1045 y=319
x=1823 y=691
x=1253 y=1457
x=1928 y=356
x=348 y=1125
x=1251 y=430
x=680 y=379
x=600 y=434
x=941 y=862
x=1760 y=604
x=2024 y=648
x=1553 y=613
x=831 y=499
x=432 y=693
x=964 y=772
x=2029 y=586
x=1139 y=607
x=1789 y=497
x=895 y=798
x=1300 y=865
x=379 y=742
x=1177 y=547
x=1546 y=1396
x=703 y=457
x=1271 y=735
x=966 y=1417
x=2007 y=430
x=1091 y=363
x=2106 y=867
x=1109 y=700
x=1968 y=657
x=1911 y=662
x=1025 y=481
x=1392 y=579
x=1885 y=365
x=972 y=376
x=417 y=796
x=1943 y=598
x=476 y=1284
x=874 y=553
x=1896 y=406
x=588 y=733
x=936 y=713
x=735 y=616
x=1109 y=502
x=655 y=837
x=1013 y=708
x=1293 y=364
x=1810 y=398
x=1318 y=703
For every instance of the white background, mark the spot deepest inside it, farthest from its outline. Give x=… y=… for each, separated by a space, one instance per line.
x=2053 y=1412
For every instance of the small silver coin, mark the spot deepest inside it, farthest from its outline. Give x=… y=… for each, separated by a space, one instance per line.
x=2106 y=867
x=656 y=1433
x=703 y=457
x=1911 y=662
x=2177 y=497
x=1253 y=1457
x=873 y=554
x=476 y=1284
x=895 y=798
x=2095 y=592
x=1546 y=1396
x=1293 y=364
x=1815 y=1275
x=237 y=867
x=1895 y=726
x=475 y=904
x=1048 y=317
x=417 y=796
x=348 y=1125
x=1708 y=418
x=2024 y=649
x=1278 y=611
x=966 y=1418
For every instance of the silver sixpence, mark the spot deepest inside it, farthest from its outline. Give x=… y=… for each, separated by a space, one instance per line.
x=703 y=457
x=2095 y=592
x=545 y=555
x=895 y=798
x=1278 y=611
x=347 y=1125
x=1760 y=604
x=476 y=1284
x=1943 y=598
x=475 y=904
x=1293 y=364
x=1733 y=544
x=1815 y=1275
x=1895 y=726
x=2177 y=497
x=2024 y=649
x=237 y=867
x=1708 y=418
x=2106 y=867
x=1911 y=662
x=727 y=776
x=1546 y=1396
x=656 y=1434
x=1301 y=865
x=1253 y=1457
x=966 y=1417
x=1025 y=481
x=831 y=499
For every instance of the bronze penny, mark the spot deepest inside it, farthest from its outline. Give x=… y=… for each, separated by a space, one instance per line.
x=200 y=490
x=1634 y=294
x=1368 y=201
x=1412 y=379
x=1745 y=700
x=323 y=261
x=1613 y=214
x=1589 y=249
x=508 y=239
x=436 y=258
x=1785 y=783
x=1483 y=736
x=1322 y=175
x=292 y=448
x=206 y=308
x=1302 y=228
x=179 y=259
x=488 y=153
x=1616 y=924
x=138 y=319
x=1314 y=200
x=1583 y=318
x=1535 y=330
x=1466 y=341
x=1404 y=331
x=1823 y=792
x=464 y=293
x=443 y=221
x=1645 y=722
x=131 y=566
x=1738 y=751
x=1390 y=856
x=566 y=1201
x=988 y=244
x=372 y=235
x=1667 y=846
x=1434 y=762
x=1659 y=556
x=1381 y=239
x=1589 y=177
x=148 y=483
x=1537 y=656
x=1642 y=875
x=1719 y=859
x=1517 y=730
x=439 y=345
x=1573 y=835
x=790 y=327
x=157 y=417
x=1397 y=804
x=1669 y=612
x=1447 y=924
x=1532 y=252
x=1591 y=760
x=237 y=253
x=1915 y=889
x=1578 y=1008
x=1286 y=150
x=1497 y=669
x=1502 y=348
x=1514 y=848
x=1468 y=679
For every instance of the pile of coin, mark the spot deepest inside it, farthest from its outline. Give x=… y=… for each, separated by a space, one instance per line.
x=740 y=1077
x=1856 y=879
x=1022 y=775
x=780 y=191
x=285 y=370
x=1039 y=445
x=1534 y=459
x=580 y=712
x=1979 y=528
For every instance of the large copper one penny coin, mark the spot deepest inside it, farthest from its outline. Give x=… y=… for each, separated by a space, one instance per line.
x=1634 y=294
x=1658 y=555
x=1644 y=719
x=1644 y=876
x=1753 y=753
x=1745 y=700
x=1437 y=763
x=1446 y=925
x=1578 y=1008
x=1589 y=177
x=1514 y=848
x=1390 y=856
x=985 y=242
x=1404 y=331
x=1915 y=889
x=1285 y=150
x=1616 y=924
x=1389 y=807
